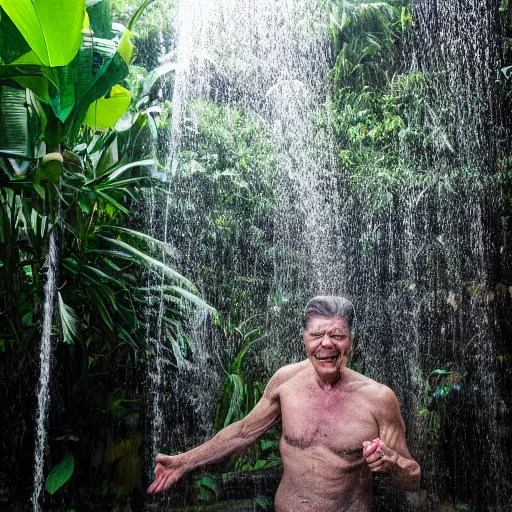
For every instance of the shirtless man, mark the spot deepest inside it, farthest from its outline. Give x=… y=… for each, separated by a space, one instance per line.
x=338 y=426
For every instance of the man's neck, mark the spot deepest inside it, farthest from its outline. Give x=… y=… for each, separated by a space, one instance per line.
x=327 y=385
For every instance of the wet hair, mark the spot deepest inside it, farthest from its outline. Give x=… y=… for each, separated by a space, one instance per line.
x=331 y=307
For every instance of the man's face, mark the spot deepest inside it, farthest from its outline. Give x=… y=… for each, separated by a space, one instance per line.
x=328 y=342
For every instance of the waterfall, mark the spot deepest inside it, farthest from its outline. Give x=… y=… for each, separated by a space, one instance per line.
x=416 y=249
x=162 y=363
x=43 y=386
x=279 y=90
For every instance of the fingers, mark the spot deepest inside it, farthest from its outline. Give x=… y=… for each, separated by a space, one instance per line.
x=370 y=447
x=161 y=483
x=378 y=456
x=374 y=454
x=164 y=478
x=159 y=469
x=156 y=482
x=165 y=482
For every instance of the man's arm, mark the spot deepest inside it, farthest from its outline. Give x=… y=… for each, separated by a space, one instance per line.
x=389 y=452
x=232 y=439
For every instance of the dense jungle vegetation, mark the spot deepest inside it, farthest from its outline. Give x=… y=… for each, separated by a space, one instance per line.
x=84 y=132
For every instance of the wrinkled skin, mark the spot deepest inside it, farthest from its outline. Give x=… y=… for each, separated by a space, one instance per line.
x=339 y=427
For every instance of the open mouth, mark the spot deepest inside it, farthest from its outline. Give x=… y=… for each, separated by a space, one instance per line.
x=327 y=359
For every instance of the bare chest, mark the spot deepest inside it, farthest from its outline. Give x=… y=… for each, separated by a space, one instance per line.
x=339 y=421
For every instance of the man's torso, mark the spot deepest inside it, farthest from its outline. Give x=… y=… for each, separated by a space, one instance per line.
x=321 y=445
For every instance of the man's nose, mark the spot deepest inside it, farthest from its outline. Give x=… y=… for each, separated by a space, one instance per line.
x=326 y=341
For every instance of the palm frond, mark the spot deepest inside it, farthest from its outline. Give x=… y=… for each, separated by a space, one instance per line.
x=194 y=299
x=141 y=236
x=69 y=322
x=237 y=392
x=151 y=262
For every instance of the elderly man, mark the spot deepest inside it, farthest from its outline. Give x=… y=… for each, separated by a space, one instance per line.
x=339 y=427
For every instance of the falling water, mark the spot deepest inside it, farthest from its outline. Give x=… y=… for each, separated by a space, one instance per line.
x=162 y=362
x=43 y=386
x=418 y=258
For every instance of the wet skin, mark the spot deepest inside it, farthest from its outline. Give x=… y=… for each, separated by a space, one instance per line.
x=338 y=428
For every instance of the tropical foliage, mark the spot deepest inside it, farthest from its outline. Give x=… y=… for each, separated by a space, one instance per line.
x=65 y=170
x=239 y=396
x=228 y=173
x=85 y=118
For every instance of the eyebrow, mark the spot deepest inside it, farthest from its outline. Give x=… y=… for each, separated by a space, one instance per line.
x=333 y=332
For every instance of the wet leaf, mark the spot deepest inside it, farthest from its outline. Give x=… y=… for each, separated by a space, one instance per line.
x=60 y=473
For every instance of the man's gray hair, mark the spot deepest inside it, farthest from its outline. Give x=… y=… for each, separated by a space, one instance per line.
x=330 y=306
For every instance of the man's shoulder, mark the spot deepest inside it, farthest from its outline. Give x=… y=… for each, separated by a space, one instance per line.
x=371 y=387
x=289 y=371
x=287 y=374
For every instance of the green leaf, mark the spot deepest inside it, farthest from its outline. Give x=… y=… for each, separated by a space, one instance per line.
x=152 y=262
x=105 y=112
x=60 y=473
x=86 y=199
x=441 y=372
x=102 y=308
x=236 y=399
x=18 y=129
x=27 y=319
x=93 y=83
x=13 y=43
x=267 y=444
x=260 y=463
x=69 y=321
x=138 y=13
x=263 y=503
x=100 y=18
x=126 y=48
x=155 y=74
x=194 y=299
x=113 y=202
x=122 y=183
x=139 y=235
x=52 y=28
x=120 y=170
x=208 y=481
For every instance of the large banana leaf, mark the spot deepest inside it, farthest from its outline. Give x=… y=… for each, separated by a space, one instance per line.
x=105 y=112
x=52 y=28
x=13 y=44
x=31 y=76
x=100 y=18
x=92 y=83
x=70 y=90
x=18 y=127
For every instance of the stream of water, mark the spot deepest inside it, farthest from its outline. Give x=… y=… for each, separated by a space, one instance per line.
x=43 y=389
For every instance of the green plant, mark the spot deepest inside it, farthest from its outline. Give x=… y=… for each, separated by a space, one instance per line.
x=64 y=84
x=263 y=503
x=206 y=488
x=85 y=187
x=238 y=398
x=464 y=507
x=60 y=473
x=441 y=385
x=227 y=166
x=360 y=32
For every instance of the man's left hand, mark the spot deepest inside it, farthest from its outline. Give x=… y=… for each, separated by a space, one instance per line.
x=378 y=456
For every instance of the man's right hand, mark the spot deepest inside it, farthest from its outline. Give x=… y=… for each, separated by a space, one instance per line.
x=169 y=469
